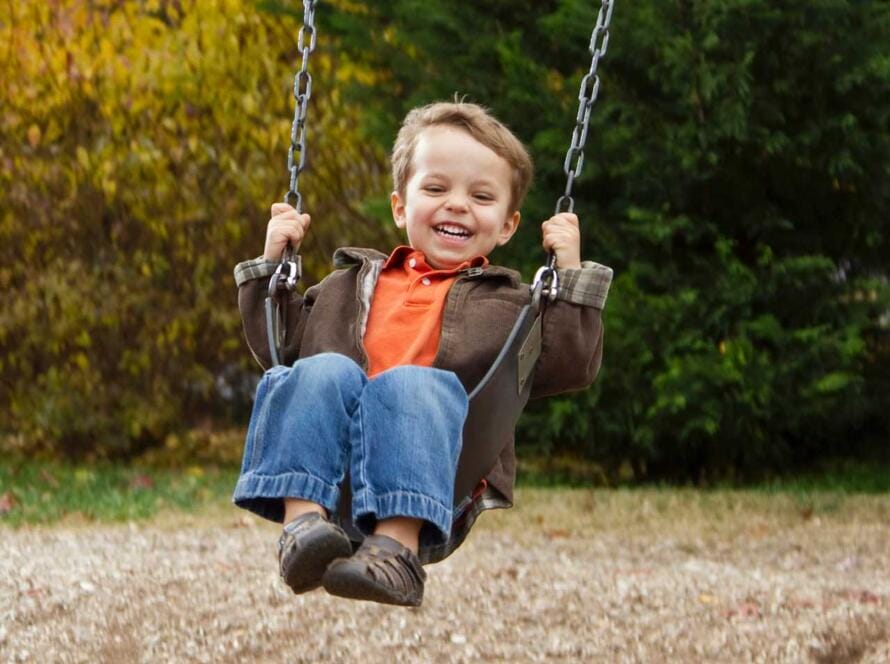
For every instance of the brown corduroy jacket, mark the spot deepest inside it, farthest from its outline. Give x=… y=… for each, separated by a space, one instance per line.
x=481 y=307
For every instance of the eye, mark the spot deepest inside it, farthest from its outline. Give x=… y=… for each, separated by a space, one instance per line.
x=433 y=188
x=483 y=196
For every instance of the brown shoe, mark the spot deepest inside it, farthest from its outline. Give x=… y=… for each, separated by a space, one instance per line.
x=382 y=570
x=306 y=547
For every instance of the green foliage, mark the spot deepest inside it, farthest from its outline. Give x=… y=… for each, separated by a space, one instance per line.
x=141 y=147
x=845 y=477
x=736 y=179
x=41 y=492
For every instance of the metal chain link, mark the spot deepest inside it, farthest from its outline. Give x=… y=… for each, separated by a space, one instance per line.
x=288 y=272
x=590 y=87
x=296 y=154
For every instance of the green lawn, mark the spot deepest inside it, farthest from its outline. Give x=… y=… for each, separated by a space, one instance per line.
x=33 y=492
x=37 y=492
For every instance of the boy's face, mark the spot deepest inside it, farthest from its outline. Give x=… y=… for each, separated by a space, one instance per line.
x=457 y=202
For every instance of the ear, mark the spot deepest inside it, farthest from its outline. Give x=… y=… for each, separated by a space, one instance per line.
x=509 y=227
x=398 y=209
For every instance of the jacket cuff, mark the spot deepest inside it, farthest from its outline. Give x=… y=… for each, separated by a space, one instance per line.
x=256 y=268
x=587 y=286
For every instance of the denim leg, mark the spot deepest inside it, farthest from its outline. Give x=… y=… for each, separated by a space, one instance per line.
x=298 y=437
x=406 y=439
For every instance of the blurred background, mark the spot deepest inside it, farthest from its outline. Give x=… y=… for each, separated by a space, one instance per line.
x=736 y=179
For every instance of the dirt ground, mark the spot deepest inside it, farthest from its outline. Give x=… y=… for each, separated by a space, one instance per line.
x=571 y=576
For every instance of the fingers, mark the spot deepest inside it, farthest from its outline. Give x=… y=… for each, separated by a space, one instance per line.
x=281 y=208
x=562 y=236
x=293 y=226
x=285 y=211
x=286 y=226
x=560 y=229
x=562 y=220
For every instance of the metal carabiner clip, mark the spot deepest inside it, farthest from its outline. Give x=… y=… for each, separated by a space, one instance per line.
x=293 y=274
x=549 y=279
x=287 y=271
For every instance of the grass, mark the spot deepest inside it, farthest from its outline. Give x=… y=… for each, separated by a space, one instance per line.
x=43 y=493
x=682 y=514
x=844 y=477
x=849 y=477
x=32 y=492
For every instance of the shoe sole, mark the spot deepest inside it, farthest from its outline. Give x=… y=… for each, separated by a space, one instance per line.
x=316 y=552
x=353 y=584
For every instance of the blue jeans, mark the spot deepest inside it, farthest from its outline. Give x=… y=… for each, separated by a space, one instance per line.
x=398 y=434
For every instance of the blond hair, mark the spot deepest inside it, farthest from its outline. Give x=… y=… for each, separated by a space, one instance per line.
x=477 y=122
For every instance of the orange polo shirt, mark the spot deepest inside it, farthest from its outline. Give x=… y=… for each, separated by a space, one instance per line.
x=405 y=320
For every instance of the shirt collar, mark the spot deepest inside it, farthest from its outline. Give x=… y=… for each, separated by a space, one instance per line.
x=402 y=254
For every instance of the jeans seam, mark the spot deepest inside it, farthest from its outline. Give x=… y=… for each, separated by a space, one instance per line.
x=258 y=439
x=270 y=378
x=431 y=510
x=293 y=472
x=407 y=492
x=252 y=478
x=363 y=479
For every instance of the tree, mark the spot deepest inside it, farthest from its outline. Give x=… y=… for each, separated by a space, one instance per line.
x=142 y=145
x=735 y=179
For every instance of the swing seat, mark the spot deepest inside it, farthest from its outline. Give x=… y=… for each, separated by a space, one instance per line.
x=495 y=406
x=497 y=402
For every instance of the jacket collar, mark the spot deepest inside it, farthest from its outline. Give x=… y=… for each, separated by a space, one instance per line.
x=346 y=257
x=401 y=253
x=350 y=256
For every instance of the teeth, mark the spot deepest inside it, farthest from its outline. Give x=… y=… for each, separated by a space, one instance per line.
x=451 y=229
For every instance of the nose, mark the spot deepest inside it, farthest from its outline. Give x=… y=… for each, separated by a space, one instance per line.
x=457 y=202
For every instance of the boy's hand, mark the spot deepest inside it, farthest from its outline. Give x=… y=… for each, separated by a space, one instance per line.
x=563 y=237
x=286 y=225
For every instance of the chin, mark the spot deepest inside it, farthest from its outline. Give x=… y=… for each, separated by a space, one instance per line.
x=443 y=263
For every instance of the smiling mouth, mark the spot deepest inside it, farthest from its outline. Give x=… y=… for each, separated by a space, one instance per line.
x=452 y=231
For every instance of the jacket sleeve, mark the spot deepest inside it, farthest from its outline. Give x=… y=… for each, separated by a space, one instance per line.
x=252 y=278
x=572 y=340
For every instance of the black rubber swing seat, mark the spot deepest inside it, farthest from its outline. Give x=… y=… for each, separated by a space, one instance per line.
x=495 y=406
x=497 y=402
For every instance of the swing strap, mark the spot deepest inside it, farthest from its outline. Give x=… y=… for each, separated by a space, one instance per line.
x=498 y=400
x=283 y=282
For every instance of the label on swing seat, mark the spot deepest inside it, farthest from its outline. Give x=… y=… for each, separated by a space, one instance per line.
x=529 y=353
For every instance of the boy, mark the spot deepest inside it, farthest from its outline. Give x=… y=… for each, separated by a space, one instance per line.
x=385 y=351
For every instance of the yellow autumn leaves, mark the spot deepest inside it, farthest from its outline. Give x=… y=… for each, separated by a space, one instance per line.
x=141 y=145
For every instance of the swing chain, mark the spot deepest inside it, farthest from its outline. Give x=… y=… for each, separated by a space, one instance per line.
x=288 y=273
x=296 y=155
x=590 y=87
